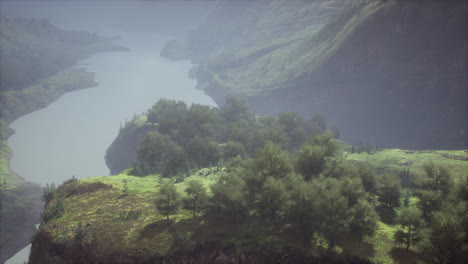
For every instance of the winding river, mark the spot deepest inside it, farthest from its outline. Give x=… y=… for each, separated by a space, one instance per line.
x=70 y=136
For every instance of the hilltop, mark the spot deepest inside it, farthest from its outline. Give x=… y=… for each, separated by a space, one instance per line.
x=209 y=185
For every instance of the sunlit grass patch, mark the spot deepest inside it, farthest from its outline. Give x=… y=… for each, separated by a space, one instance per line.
x=395 y=160
x=383 y=243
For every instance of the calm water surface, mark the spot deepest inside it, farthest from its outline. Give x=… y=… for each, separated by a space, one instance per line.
x=70 y=137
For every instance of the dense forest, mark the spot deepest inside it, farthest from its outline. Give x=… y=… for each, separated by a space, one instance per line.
x=261 y=187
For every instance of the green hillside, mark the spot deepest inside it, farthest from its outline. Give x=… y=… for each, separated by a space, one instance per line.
x=206 y=185
x=394 y=65
x=119 y=225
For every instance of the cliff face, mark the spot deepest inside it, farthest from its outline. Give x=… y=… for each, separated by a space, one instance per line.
x=390 y=73
x=123 y=151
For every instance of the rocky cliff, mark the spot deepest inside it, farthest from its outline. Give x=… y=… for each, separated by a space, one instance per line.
x=390 y=73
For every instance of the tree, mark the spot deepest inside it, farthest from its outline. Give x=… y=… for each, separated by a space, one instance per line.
x=229 y=197
x=235 y=109
x=168 y=114
x=319 y=123
x=301 y=210
x=409 y=218
x=196 y=199
x=429 y=201
x=233 y=149
x=368 y=178
x=272 y=198
x=438 y=177
x=325 y=141
x=201 y=120
x=364 y=219
x=332 y=209
x=295 y=128
x=203 y=151
x=352 y=190
x=271 y=161
x=168 y=199
x=159 y=154
x=389 y=191
x=447 y=236
x=310 y=161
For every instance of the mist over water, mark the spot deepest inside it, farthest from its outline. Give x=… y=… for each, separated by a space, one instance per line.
x=70 y=136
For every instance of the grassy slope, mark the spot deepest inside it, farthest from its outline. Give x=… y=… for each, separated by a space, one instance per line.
x=150 y=235
x=282 y=48
x=394 y=161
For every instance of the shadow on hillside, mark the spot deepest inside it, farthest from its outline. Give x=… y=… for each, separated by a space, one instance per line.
x=155 y=228
x=387 y=214
x=405 y=256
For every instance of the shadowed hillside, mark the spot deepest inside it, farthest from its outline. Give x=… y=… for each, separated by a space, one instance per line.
x=391 y=73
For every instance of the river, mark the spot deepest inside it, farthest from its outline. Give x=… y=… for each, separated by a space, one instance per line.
x=70 y=136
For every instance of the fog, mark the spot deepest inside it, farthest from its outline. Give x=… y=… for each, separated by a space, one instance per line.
x=129 y=83
x=358 y=79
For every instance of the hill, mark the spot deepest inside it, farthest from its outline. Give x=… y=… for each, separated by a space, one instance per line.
x=389 y=73
x=209 y=185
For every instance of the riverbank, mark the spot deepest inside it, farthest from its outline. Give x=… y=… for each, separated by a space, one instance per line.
x=21 y=199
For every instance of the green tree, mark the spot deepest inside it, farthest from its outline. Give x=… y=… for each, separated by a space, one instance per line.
x=389 y=191
x=409 y=219
x=203 y=151
x=159 y=154
x=447 y=236
x=168 y=114
x=196 y=196
x=202 y=120
x=352 y=189
x=272 y=198
x=319 y=124
x=364 y=219
x=233 y=149
x=229 y=198
x=302 y=208
x=333 y=210
x=272 y=161
x=429 y=201
x=168 y=199
x=295 y=127
x=310 y=161
x=235 y=109
x=368 y=178
x=325 y=141
x=438 y=177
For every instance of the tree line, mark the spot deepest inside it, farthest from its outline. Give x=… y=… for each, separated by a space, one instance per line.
x=198 y=136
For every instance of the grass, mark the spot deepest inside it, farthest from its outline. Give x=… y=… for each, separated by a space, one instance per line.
x=129 y=221
x=284 y=44
x=17 y=103
x=101 y=211
x=383 y=244
x=395 y=160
